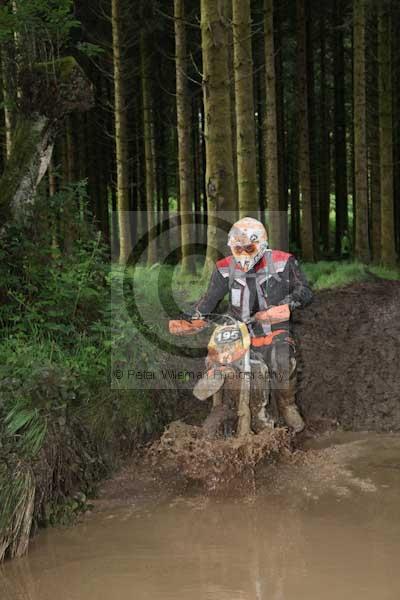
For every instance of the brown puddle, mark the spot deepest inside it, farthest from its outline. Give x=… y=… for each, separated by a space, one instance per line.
x=325 y=526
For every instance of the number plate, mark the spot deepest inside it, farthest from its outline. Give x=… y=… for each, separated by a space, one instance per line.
x=228 y=336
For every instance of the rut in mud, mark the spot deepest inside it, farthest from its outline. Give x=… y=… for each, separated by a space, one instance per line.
x=349 y=354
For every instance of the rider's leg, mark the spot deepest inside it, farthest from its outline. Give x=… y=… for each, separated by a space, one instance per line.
x=283 y=368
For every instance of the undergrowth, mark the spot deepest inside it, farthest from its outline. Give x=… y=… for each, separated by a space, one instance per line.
x=62 y=426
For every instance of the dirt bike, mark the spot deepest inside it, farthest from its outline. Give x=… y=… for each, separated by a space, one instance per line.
x=231 y=360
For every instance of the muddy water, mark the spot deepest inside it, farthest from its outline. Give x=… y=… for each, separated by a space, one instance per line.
x=326 y=526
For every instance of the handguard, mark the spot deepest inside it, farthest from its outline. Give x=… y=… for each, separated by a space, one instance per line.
x=274 y=315
x=182 y=327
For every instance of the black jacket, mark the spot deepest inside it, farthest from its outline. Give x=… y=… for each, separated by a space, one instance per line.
x=277 y=279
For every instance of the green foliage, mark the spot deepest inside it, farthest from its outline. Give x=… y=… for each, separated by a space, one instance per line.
x=45 y=294
x=62 y=427
x=65 y=513
x=90 y=50
x=151 y=282
x=385 y=272
x=44 y=29
x=50 y=21
x=331 y=274
x=17 y=497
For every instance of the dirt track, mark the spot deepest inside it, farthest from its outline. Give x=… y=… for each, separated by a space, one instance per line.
x=349 y=356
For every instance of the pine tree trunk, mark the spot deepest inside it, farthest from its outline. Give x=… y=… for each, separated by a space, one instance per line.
x=36 y=130
x=362 y=251
x=261 y=150
x=196 y=170
x=52 y=178
x=325 y=167
x=140 y=201
x=232 y=85
x=307 y=240
x=260 y=133
x=271 y=131
x=101 y=173
x=53 y=218
x=184 y=137
x=388 y=249
x=70 y=208
x=70 y=140
x=165 y=205
x=163 y=186
x=81 y=155
x=245 y=118
x=105 y=162
x=64 y=158
x=396 y=116
x=148 y=129
x=91 y=143
x=217 y=121
x=9 y=93
x=312 y=127
x=32 y=148
x=340 y=149
x=280 y=111
x=373 y=137
x=295 y=233
x=375 y=178
x=156 y=212
x=121 y=135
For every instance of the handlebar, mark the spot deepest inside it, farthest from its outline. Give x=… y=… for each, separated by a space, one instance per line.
x=212 y=318
x=188 y=324
x=277 y=313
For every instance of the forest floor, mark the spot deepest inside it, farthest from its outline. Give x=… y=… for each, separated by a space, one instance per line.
x=349 y=344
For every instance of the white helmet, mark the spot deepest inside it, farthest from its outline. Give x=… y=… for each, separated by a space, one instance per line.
x=248 y=241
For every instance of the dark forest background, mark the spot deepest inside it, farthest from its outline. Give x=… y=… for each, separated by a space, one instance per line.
x=219 y=105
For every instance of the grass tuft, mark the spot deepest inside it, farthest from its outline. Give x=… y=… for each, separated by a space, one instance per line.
x=333 y=274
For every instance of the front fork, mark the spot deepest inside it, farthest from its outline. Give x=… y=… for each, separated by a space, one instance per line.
x=244 y=413
x=217 y=397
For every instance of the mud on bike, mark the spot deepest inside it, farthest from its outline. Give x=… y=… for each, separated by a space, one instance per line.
x=236 y=378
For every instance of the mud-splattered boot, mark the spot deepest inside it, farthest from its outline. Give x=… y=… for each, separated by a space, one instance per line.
x=293 y=418
x=285 y=398
x=284 y=383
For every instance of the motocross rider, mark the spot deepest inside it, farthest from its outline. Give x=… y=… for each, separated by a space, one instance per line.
x=258 y=279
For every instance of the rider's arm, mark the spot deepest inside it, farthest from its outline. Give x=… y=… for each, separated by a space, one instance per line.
x=217 y=290
x=299 y=291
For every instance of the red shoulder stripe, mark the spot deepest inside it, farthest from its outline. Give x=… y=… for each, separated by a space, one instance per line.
x=224 y=262
x=279 y=255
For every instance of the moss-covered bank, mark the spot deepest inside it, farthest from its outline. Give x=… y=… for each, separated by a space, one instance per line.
x=62 y=427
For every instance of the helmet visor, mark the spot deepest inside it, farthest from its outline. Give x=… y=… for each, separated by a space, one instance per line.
x=247 y=249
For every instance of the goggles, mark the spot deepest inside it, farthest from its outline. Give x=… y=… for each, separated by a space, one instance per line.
x=249 y=249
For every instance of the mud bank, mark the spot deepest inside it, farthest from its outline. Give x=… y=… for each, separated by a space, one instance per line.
x=349 y=357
